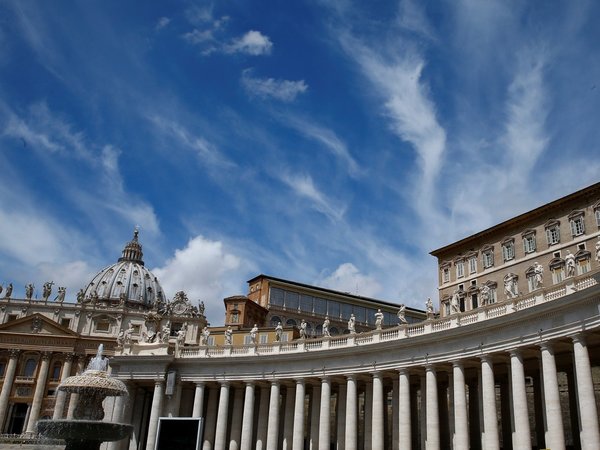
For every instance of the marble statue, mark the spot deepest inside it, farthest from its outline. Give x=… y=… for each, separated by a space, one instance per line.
x=278 y=332
x=47 y=290
x=205 y=336
x=303 y=329
x=9 y=290
x=538 y=271
x=61 y=294
x=455 y=302
x=352 y=324
x=201 y=309
x=326 y=327
x=29 y=291
x=80 y=296
x=120 y=338
x=128 y=334
x=510 y=286
x=253 y=334
x=229 y=336
x=402 y=315
x=429 y=308
x=485 y=292
x=166 y=333
x=378 y=319
x=570 y=263
x=181 y=335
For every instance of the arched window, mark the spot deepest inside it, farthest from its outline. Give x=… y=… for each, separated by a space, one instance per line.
x=290 y=323
x=334 y=331
x=275 y=320
x=29 y=368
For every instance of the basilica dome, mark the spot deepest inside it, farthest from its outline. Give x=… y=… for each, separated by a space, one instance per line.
x=125 y=281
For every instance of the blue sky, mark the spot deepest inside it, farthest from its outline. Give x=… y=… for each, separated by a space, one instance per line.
x=331 y=143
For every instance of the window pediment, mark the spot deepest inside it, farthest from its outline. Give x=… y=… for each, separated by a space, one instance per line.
x=552 y=223
x=508 y=240
x=528 y=232
x=556 y=263
x=576 y=213
x=583 y=254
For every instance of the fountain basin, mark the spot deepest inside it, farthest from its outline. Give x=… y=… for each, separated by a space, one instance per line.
x=81 y=433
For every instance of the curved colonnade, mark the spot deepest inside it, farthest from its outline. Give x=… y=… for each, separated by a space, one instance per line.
x=516 y=374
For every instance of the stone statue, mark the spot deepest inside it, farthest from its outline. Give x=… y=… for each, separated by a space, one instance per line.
x=47 y=290
x=181 y=335
x=80 y=296
x=61 y=294
x=485 y=294
x=229 y=335
x=570 y=263
x=278 y=332
x=455 y=302
x=120 y=338
x=402 y=314
x=166 y=333
x=303 y=329
x=128 y=334
x=326 y=327
x=352 y=324
x=9 y=290
x=253 y=334
x=205 y=336
x=29 y=291
x=429 y=308
x=538 y=271
x=510 y=286
x=201 y=309
x=378 y=319
x=94 y=297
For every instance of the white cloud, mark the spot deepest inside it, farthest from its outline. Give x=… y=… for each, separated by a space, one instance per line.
x=347 y=278
x=206 y=271
x=283 y=90
x=162 y=23
x=253 y=43
x=304 y=186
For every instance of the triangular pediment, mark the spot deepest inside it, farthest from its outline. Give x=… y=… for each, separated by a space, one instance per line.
x=36 y=324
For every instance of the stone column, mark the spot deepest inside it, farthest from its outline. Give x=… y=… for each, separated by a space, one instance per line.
x=273 y=427
x=588 y=413
x=263 y=417
x=298 y=438
x=461 y=428
x=404 y=412
x=315 y=410
x=432 y=441
x=236 y=419
x=38 y=395
x=377 y=428
x=288 y=418
x=155 y=411
x=395 y=414
x=74 y=396
x=61 y=396
x=248 y=418
x=368 y=426
x=555 y=435
x=340 y=416
x=9 y=378
x=210 y=420
x=324 y=417
x=522 y=434
x=222 y=414
x=490 y=421
x=350 y=438
x=198 y=400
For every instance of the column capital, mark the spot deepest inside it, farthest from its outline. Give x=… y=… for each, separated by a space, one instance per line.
x=300 y=381
x=351 y=377
x=70 y=356
x=46 y=355
x=578 y=338
x=377 y=374
x=458 y=363
x=546 y=345
x=249 y=383
x=225 y=383
x=429 y=368
x=515 y=351
x=14 y=352
x=275 y=382
x=159 y=381
x=486 y=357
x=200 y=383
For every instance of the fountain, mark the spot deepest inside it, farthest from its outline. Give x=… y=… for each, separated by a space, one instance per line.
x=86 y=430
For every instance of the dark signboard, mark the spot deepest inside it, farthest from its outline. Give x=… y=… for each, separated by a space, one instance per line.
x=180 y=433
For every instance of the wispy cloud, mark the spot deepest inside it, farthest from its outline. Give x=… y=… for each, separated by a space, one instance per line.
x=347 y=278
x=284 y=90
x=253 y=43
x=162 y=23
x=304 y=186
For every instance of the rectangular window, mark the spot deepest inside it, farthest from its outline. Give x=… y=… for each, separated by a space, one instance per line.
x=11 y=317
x=474 y=301
x=529 y=243
x=446 y=275
x=460 y=269
x=488 y=259
x=292 y=300
x=103 y=326
x=577 y=226
x=276 y=297
x=597 y=212
x=320 y=306
x=264 y=338
x=446 y=309
x=508 y=251
x=360 y=314
x=247 y=340
x=306 y=303
x=558 y=274
x=583 y=266
x=553 y=235
x=136 y=329
x=333 y=309
x=211 y=340
x=492 y=295
x=472 y=265
x=65 y=322
x=531 y=282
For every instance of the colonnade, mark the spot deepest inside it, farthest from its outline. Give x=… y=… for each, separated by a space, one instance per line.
x=442 y=404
